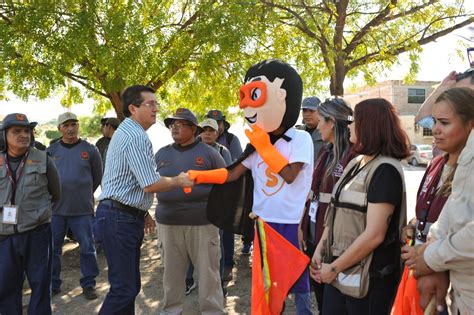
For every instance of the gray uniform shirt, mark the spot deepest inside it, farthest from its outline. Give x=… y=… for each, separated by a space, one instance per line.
x=80 y=173
x=174 y=206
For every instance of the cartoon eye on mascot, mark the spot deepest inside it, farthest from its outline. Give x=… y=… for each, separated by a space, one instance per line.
x=272 y=179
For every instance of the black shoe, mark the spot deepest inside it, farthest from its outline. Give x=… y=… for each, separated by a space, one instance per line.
x=247 y=249
x=89 y=293
x=55 y=291
x=190 y=285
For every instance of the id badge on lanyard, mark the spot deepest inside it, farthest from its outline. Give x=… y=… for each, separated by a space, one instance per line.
x=313 y=210
x=10 y=214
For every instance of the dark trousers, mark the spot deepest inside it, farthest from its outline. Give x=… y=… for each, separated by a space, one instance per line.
x=27 y=254
x=228 y=240
x=81 y=226
x=318 y=288
x=121 y=234
x=378 y=301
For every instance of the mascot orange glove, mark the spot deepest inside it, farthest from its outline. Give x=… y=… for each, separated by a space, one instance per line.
x=270 y=155
x=217 y=176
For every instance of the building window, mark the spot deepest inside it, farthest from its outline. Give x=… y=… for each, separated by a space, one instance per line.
x=416 y=96
x=427 y=132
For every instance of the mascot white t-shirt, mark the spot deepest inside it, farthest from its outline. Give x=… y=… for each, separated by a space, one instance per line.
x=273 y=199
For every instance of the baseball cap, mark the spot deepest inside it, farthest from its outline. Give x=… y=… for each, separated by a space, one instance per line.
x=65 y=117
x=209 y=122
x=182 y=114
x=311 y=103
x=114 y=122
x=17 y=119
x=215 y=114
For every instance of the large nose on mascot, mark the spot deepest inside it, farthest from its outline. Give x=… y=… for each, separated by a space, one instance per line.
x=271 y=95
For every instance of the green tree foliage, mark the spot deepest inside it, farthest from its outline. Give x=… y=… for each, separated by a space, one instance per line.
x=52 y=134
x=89 y=126
x=346 y=38
x=195 y=52
x=189 y=50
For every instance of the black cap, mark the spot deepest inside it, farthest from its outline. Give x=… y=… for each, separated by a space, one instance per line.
x=182 y=114
x=17 y=119
x=215 y=114
x=114 y=122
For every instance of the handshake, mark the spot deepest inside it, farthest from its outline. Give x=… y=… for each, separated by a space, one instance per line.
x=187 y=180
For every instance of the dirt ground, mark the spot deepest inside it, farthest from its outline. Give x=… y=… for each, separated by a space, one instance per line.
x=71 y=301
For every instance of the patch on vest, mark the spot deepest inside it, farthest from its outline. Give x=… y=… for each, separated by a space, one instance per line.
x=84 y=155
x=29 y=162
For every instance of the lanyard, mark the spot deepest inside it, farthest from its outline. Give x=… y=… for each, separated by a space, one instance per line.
x=428 y=198
x=18 y=173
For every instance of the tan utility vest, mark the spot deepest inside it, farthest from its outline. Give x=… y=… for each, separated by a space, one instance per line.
x=346 y=219
x=32 y=196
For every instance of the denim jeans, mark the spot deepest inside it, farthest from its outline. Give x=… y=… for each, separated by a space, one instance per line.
x=29 y=254
x=303 y=303
x=81 y=227
x=121 y=234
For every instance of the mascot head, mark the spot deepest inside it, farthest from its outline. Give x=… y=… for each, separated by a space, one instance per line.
x=271 y=95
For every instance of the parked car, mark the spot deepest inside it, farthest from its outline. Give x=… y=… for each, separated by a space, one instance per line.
x=420 y=154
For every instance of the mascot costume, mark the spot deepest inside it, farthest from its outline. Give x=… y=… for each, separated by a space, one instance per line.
x=272 y=179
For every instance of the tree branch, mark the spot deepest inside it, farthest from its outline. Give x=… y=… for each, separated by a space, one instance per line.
x=304 y=25
x=422 y=41
x=374 y=22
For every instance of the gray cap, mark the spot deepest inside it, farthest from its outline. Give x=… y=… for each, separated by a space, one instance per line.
x=17 y=119
x=311 y=103
x=65 y=117
x=182 y=114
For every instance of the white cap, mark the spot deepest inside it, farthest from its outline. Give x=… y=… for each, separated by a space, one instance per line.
x=209 y=122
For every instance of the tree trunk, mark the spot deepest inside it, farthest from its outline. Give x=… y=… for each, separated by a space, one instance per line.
x=117 y=104
x=337 y=79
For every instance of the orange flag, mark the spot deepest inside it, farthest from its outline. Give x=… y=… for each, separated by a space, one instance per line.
x=276 y=266
x=407 y=300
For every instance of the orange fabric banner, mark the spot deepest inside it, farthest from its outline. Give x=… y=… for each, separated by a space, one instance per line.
x=407 y=300
x=276 y=266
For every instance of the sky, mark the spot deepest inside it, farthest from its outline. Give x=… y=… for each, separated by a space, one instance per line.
x=437 y=60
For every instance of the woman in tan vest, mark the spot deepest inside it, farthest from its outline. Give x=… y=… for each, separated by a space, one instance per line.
x=358 y=255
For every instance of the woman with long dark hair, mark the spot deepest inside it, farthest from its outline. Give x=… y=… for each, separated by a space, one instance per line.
x=360 y=243
x=335 y=117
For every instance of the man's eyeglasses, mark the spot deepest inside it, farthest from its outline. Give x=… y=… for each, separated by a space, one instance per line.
x=178 y=125
x=151 y=105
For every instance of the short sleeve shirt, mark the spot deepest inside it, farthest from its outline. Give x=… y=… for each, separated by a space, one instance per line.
x=275 y=200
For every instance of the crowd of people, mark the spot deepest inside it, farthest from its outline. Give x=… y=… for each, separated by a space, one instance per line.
x=333 y=187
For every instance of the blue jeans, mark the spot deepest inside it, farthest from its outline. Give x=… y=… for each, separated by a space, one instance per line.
x=121 y=234
x=81 y=227
x=303 y=303
x=29 y=254
x=190 y=272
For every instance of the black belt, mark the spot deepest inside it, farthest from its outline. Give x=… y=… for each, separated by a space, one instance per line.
x=131 y=210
